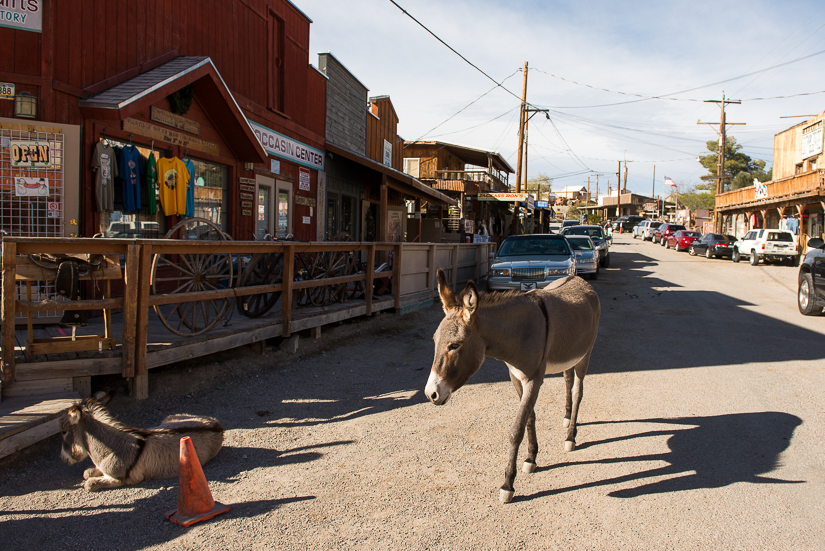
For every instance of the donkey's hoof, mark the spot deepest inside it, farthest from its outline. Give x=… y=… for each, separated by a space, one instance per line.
x=565 y=423
x=529 y=467
x=506 y=496
x=569 y=446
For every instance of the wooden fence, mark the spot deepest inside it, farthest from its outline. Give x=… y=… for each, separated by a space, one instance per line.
x=413 y=285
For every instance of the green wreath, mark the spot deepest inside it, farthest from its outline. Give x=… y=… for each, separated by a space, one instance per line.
x=181 y=101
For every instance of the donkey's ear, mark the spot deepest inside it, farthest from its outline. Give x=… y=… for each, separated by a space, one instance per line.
x=74 y=414
x=104 y=397
x=448 y=301
x=469 y=301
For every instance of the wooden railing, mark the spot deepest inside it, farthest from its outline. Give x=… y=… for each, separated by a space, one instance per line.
x=786 y=188
x=472 y=175
x=413 y=275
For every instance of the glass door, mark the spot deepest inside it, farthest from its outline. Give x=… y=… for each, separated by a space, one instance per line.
x=264 y=226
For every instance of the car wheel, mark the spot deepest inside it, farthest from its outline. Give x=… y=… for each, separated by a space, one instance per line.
x=692 y=251
x=754 y=258
x=795 y=261
x=635 y=235
x=605 y=263
x=735 y=256
x=708 y=255
x=662 y=242
x=806 y=299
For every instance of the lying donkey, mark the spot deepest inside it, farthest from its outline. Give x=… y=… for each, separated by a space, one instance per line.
x=125 y=456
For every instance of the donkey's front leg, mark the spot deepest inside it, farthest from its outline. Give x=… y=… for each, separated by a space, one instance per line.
x=528 y=401
x=104 y=482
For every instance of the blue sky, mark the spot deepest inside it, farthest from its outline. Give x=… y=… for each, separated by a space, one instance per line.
x=646 y=48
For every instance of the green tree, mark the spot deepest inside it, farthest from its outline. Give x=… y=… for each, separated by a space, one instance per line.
x=740 y=169
x=573 y=213
x=542 y=185
x=700 y=196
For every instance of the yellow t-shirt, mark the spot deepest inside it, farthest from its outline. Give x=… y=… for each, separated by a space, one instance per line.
x=172 y=180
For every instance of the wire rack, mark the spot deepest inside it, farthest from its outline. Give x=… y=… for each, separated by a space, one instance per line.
x=32 y=209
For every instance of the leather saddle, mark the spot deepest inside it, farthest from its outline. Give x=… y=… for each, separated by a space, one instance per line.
x=68 y=269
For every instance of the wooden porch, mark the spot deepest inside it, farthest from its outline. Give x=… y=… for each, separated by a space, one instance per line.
x=799 y=189
x=39 y=384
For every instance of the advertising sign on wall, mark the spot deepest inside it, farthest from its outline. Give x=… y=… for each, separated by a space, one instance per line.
x=812 y=140
x=303 y=179
x=27 y=16
x=285 y=147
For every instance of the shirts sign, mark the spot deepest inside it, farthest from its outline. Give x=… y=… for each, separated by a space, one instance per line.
x=26 y=15
x=285 y=147
x=303 y=179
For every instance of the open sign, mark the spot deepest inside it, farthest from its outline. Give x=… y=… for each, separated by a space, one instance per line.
x=31 y=154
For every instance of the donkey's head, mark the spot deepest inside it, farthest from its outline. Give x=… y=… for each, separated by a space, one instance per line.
x=73 y=427
x=459 y=349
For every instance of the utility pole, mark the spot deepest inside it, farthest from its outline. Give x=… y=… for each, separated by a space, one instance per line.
x=619 y=192
x=521 y=128
x=653 y=189
x=720 y=156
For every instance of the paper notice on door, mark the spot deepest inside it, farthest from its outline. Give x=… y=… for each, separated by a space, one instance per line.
x=306 y=220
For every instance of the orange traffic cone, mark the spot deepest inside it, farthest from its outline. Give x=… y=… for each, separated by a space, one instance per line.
x=195 y=501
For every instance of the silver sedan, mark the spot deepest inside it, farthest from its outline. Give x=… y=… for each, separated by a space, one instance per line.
x=587 y=256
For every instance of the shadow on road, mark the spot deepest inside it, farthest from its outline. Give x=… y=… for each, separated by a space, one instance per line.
x=646 y=317
x=705 y=452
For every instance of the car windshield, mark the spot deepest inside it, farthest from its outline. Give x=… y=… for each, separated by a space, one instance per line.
x=675 y=228
x=534 y=246
x=595 y=233
x=655 y=224
x=691 y=234
x=580 y=243
x=779 y=236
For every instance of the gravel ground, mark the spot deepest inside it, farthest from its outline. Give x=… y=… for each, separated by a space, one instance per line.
x=701 y=428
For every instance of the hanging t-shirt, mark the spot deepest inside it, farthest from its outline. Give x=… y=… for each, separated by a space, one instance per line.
x=129 y=170
x=190 y=188
x=151 y=184
x=105 y=168
x=172 y=180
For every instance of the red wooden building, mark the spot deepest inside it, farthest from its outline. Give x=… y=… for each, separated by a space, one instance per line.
x=226 y=84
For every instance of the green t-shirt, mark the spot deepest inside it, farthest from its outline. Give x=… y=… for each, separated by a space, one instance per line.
x=152 y=183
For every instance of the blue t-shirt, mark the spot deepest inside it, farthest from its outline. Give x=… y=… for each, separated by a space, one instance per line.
x=129 y=173
x=190 y=188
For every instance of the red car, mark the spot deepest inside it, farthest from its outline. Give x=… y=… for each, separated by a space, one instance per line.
x=664 y=231
x=681 y=240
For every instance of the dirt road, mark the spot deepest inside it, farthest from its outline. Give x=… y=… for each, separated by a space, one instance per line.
x=702 y=427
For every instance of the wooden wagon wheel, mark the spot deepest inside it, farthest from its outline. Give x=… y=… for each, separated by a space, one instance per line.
x=331 y=264
x=184 y=273
x=262 y=269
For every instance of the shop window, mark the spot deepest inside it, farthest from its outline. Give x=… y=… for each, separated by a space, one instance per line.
x=211 y=191
x=132 y=224
x=412 y=167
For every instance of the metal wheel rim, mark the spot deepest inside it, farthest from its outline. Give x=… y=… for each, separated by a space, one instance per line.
x=804 y=298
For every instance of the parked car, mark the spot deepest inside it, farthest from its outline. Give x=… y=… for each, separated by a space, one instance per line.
x=529 y=262
x=769 y=245
x=587 y=257
x=638 y=229
x=712 y=245
x=597 y=235
x=647 y=231
x=661 y=233
x=811 y=295
x=681 y=240
x=626 y=223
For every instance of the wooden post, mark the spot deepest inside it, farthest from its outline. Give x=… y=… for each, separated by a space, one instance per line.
x=130 y=297
x=9 y=295
x=396 y=276
x=431 y=267
x=286 y=293
x=368 y=284
x=454 y=275
x=140 y=380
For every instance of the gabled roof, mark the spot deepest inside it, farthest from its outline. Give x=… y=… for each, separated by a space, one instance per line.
x=128 y=98
x=476 y=157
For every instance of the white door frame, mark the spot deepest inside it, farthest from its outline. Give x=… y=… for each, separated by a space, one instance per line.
x=264 y=181
x=281 y=185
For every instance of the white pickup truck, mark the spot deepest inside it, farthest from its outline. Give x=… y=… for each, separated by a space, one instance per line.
x=767 y=245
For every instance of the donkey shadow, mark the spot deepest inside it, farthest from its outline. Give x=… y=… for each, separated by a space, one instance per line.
x=705 y=452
